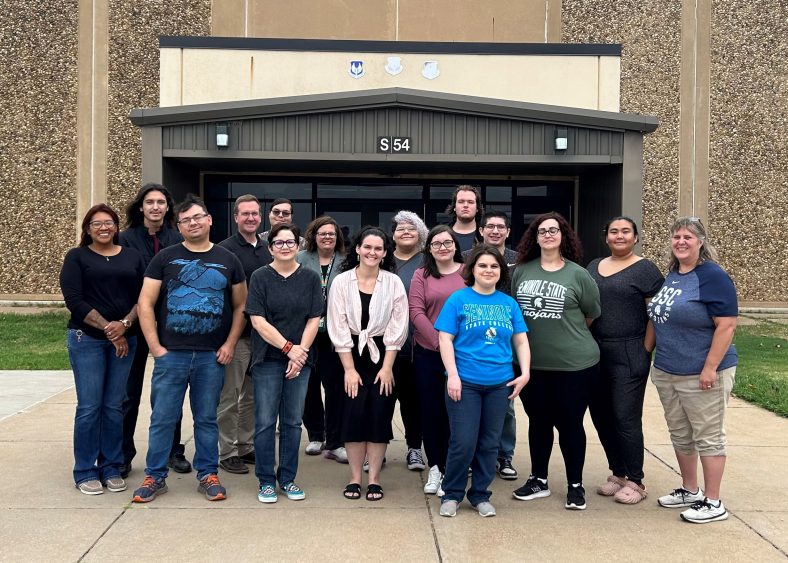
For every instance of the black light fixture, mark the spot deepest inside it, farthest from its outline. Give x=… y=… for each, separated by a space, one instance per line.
x=222 y=135
x=561 y=139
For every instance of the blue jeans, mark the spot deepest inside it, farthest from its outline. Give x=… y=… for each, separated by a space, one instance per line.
x=277 y=397
x=476 y=421
x=100 y=380
x=509 y=434
x=172 y=374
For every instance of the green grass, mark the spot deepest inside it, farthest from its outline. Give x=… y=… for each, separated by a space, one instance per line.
x=36 y=341
x=762 y=374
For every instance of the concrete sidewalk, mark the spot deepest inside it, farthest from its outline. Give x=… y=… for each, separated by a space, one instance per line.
x=44 y=518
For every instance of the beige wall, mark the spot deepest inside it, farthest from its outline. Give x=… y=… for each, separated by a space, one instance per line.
x=195 y=76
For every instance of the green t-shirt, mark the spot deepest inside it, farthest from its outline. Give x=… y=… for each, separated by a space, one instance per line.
x=555 y=306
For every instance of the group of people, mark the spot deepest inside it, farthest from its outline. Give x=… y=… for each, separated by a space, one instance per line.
x=447 y=321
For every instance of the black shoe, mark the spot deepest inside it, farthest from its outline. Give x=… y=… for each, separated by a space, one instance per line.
x=534 y=488
x=233 y=464
x=506 y=470
x=248 y=458
x=179 y=463
x=125 y=469
x=575 y=498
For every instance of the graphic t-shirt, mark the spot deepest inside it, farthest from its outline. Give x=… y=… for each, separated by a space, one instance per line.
x=483 y=326
x=195 y=307
x=682 y=312
x=556 y=305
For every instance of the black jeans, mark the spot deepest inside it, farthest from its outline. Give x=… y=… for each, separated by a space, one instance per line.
x=131 y=405
x=407 y=395
x=431 y=384
x=617 y=404
x=558 y=399
x=324 y=424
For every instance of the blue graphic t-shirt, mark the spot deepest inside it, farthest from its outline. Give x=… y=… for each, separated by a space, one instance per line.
x=483 y=326
x=682 y=312
x=195 y=307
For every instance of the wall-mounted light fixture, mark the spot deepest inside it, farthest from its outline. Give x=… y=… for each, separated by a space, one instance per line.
x=222 y=135
x=561 y=139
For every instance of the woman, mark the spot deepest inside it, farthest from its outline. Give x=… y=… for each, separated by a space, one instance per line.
x=625 y=337
x=101 y=281
x=431 y=286
x=694 y=316
x=284 y=304
x=559 y=300
x=409 y=233
x=368 y=324
x=324 y=252
x=478 y=328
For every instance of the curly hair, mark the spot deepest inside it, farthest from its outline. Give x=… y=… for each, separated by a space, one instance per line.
x=404 y=216
x=473 y=256
x=310 y=235
x=451 y=208
x=570 y=249
x=351 y=258
x=134 y=216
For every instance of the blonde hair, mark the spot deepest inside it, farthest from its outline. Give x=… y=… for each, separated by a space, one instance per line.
x=693 y=225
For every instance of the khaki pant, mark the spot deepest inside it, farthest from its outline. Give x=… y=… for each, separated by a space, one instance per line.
x=235 y=414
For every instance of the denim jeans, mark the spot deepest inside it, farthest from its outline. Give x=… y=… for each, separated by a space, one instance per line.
x=509 y=434
x=277 y=397
x=100 y=380
x=476 y=421
x=172 y=374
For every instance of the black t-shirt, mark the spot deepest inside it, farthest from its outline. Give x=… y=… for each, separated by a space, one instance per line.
x=467 y=240
x=108 y=284
x=195 y=306
x=285 y=302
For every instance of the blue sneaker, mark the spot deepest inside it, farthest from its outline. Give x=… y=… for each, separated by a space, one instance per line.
x=149 y=490
x=212 y=488
x=267 y=494
x=293 y=491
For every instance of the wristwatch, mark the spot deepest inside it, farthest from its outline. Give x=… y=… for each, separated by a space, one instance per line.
x=126 y=323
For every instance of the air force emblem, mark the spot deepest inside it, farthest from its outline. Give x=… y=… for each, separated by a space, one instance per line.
x=356 y=69
x=430 y=70
x=393 y=65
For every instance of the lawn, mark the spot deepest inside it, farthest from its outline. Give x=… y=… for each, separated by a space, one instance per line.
x=33 y=341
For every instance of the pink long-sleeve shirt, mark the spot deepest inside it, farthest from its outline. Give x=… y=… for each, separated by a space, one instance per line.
x=425 y=301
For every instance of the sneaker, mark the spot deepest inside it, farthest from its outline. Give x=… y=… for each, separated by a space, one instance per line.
x=179 y=463
x=533 y=488
x=366 y=465
x=293 y=491
x=338 y=454
x=91 y=487
x=248 y=458
x=212 y=488
x=313 y=448
x=704 y=511
x=680 y=498
x=449 y=508
x=434 y=478
x=115 y=484
x=440 y=492
x=233 y=464
x=149 y=490
x=267 y=494
x=414 y=460
x=505 y=469
x=486 y=509
x=575 y=498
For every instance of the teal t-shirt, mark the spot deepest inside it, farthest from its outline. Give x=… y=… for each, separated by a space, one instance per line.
x=556 y=305
x=483 y=326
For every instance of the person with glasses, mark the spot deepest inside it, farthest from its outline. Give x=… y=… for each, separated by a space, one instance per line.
x=285 y=305
x=368 y=324
x=626 y=282
x=281 y=213
x=559 y=299
x=191 y=313
x=235 y=415
x=431 y=285
x=149 y=229
x=100 y=280
x=409 y=233
x=694 y=316
x=324 y=251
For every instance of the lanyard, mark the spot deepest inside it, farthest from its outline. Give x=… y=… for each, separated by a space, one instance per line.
x=324 y=277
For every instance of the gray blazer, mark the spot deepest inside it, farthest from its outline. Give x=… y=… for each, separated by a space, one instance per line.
x=311 y=261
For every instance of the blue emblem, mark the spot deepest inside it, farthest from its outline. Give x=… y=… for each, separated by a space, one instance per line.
x=356 y=69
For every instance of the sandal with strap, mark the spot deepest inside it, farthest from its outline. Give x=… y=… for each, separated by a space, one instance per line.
x=352 y=491
x=631 y=493
x=374 y=492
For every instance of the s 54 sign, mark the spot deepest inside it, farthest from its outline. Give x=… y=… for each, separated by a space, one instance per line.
x=394 y=144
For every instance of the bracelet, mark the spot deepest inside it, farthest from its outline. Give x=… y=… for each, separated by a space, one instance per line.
x=287 y=347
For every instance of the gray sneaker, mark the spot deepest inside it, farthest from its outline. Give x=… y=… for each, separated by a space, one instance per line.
x=115 y=484
x=90 y=487
x=680 y=498
x=485 y=509
x=449 y=508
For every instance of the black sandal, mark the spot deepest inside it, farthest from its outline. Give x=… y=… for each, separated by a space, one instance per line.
x=352 y=491
x=373 y=490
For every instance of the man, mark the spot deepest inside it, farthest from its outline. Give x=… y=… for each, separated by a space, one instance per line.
x=148 y=230
x=281 y=214
x=495 y=230
x=191 y=314
x=235 y=415
x=465 y=211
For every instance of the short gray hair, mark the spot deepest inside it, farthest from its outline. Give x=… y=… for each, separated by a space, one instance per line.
x=403 y=216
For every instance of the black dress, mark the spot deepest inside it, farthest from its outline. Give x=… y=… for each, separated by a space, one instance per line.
x=367 y=418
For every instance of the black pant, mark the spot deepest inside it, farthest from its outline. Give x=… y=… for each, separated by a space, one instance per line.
x=431 y=384
x=131 y=405
x=406 y=393
x=558 y=399
x=617 y=404
x=324 y=424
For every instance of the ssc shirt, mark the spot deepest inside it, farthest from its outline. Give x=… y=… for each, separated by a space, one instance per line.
x=556 y=305
x=194 y=310
x=682 y=312
x=483 y=326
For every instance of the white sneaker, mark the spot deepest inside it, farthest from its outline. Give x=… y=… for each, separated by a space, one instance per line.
x=486 y=509
x=704 y=511
x=338 y=454
x=414 y=460
x=681 y=497
x=449 y=508
x=434 y=478
x=313 y=448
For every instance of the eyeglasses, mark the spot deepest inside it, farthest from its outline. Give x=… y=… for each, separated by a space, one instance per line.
x=196 y=218
x=99 y=224
x=280 y=244
x=247 y=214
x=551 y=230
x=281 y=213
x=492 y=227
x=437 y=245
x=327 y=235
x=405 y=230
